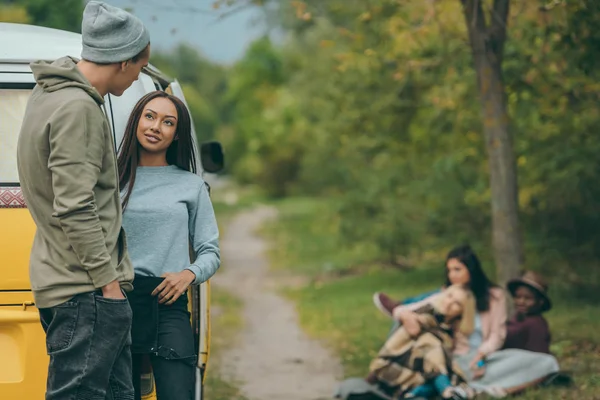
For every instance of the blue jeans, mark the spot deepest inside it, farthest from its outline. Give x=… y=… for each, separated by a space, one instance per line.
x=420 y=297
x=88 y=340
x=433 y=387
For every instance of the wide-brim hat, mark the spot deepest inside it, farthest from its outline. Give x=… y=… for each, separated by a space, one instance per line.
x=535 y=282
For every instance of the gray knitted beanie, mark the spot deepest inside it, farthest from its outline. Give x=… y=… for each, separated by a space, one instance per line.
x=110 y=34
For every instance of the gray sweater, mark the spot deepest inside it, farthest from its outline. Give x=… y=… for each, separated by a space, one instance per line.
x=169 y=209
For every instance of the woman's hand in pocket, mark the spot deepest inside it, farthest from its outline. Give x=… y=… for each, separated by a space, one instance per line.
x=173 y=286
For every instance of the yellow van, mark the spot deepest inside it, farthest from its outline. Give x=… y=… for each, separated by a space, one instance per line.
x=23 y=359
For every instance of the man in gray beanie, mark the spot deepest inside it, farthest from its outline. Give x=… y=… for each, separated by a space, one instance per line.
x=79 y=266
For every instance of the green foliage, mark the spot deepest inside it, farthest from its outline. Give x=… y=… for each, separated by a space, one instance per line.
x=13 y=13
x=374 y=104
x=553 y=100
x=64 y=14
x=266 y=147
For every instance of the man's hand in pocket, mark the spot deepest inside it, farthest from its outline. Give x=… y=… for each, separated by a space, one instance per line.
x=113 y=291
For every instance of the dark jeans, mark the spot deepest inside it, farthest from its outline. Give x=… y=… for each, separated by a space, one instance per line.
x=174 y=378
x=432 y=388
x=88 y=340
x=173 y=362
x=164 y=334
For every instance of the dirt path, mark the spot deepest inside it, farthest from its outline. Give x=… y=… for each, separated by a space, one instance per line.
x=272 y=358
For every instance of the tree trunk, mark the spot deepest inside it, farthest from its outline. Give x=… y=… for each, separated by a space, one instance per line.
x=487 y=43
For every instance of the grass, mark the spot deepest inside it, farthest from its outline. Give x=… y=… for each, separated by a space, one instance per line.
x=336 y=306
x=310 y=247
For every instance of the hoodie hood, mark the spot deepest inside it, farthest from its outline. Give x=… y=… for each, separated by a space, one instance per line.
x=60 y=74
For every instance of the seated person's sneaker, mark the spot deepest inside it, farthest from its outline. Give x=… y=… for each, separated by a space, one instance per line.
x=384 y=303
x=561 y=378
x=461 y=392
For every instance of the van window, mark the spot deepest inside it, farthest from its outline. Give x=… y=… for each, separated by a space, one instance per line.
x=12 y=110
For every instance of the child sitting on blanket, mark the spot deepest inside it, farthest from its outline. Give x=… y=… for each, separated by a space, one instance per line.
x=417 y=361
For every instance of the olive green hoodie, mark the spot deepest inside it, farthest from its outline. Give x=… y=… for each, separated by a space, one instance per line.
x=68 y=173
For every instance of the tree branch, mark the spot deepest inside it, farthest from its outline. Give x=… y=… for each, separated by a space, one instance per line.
x=235 y=8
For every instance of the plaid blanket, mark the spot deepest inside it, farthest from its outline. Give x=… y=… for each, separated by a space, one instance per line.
x=405 y=362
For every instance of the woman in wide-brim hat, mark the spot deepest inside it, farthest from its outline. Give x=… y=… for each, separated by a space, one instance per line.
x=530 y=293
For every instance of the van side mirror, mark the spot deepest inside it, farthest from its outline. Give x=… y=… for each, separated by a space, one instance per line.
x=211 y=156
